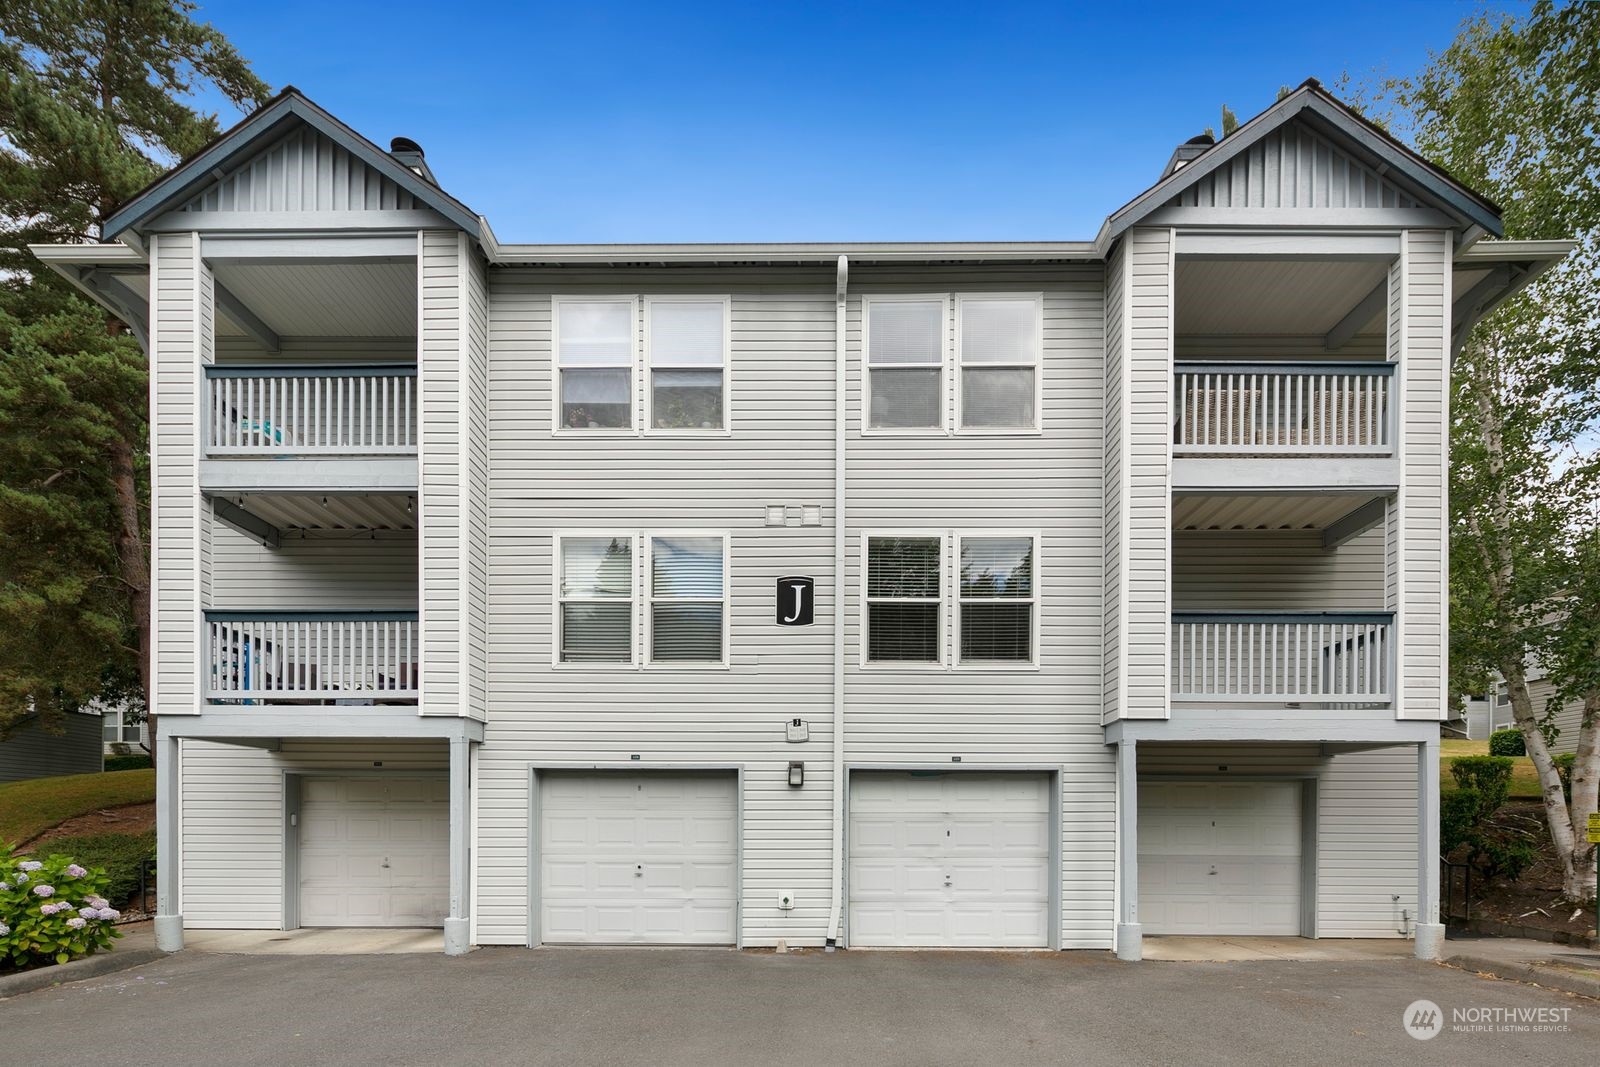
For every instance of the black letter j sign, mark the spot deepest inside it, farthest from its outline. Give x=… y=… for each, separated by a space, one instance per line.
x=796 y=597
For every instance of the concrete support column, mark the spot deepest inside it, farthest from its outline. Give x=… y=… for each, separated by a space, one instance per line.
x=1430 y=931
x=1130 y=939
x=168 y=922
x=457 y=926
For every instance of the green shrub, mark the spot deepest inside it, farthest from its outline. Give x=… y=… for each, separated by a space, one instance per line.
x=127 y=763
x=1507 y=855
x=51 y=910
x=1564 y=764
x=1507 y=743
x=117 y=855
x=1458 y=819
x=1487 y=776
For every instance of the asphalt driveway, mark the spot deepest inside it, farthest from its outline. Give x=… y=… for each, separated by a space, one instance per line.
x=621 y=1006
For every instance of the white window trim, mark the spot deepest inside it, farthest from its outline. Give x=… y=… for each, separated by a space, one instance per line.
x=943 y=661
x=1030 y=664
x=647 y=368
x=557 y=600
x=943 y=366
x=1037 y=366
x=648 y=601
x=556 y=367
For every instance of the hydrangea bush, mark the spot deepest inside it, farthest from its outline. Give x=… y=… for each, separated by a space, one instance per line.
x=51 y=911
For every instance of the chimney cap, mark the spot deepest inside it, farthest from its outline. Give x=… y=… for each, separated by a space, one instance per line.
x=1201 y=139
x=404 y=144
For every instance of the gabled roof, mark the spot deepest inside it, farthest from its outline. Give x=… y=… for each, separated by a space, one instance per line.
x=1330 y=117
x=289 y=110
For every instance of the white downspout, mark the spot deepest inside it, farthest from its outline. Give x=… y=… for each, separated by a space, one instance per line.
x=836 y=903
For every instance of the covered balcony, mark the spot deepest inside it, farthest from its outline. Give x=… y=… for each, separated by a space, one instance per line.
x=347 y=659
x=1306 y=660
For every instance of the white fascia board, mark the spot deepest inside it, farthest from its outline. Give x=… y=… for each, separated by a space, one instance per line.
x=801 y=253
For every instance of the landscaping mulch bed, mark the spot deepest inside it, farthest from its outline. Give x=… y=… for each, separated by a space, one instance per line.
x=1533 y=900
x=128 y=819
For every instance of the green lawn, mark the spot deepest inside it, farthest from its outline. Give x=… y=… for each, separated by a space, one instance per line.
x=28 y=809
x=1524 y=781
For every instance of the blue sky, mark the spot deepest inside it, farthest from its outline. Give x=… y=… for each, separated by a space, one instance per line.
x=774 y=121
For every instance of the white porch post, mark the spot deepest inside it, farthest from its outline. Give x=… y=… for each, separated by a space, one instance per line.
x=457 y=927
x=1430 y=931
x=1130 y=941
x=168 y=922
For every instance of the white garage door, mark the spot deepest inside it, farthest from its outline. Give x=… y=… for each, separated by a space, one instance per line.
x=637 y=858
x=956 y=860
x=1219 y=857
x=374 y=851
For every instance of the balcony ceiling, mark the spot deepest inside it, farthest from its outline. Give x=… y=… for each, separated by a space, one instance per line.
x=324 y=299
x=1273 y=296
x=335 y=511
x=1274 y=511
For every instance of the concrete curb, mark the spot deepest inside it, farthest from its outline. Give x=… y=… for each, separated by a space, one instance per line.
x=1548 y=975
x=95 y=966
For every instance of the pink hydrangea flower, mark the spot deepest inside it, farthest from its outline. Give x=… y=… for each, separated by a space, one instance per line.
x=75 y=871
x=44 y=890
x=4 y=886
x=21 y=878
x=48 y=909
x=29 y=865
x=77 y=923
x=88 y=913
x=107 y=913
x=99 y=902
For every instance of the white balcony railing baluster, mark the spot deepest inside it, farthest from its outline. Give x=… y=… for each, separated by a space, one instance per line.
x=311 y=410
x=1269 y=409
x=1283 y=657
x=292 y=657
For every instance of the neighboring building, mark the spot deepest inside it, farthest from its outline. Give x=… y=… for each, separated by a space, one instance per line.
x=1007 y=594
x=1542 y=691
x=33 y=751
x=1473 y=721
x=121 y=737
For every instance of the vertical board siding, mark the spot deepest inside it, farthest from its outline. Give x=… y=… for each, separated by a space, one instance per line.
x=233 y=820
x=1276 y=570
x=303 y=172
x=343 y=571
x=181 y=342
x=440 y=471
x=1293 y=167
x=1366 y=822
x=1050 y=482
x=1424 y=336
x=542 y=484
x=1114 y=489
x=1147 y=423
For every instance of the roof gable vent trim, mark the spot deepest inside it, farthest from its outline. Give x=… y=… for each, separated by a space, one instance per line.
x=1186 y=153
x=409 y=154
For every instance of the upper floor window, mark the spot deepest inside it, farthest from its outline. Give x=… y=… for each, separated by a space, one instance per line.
x=686 y=344
x=989 y=375
x=594 y=360
x=683 y=358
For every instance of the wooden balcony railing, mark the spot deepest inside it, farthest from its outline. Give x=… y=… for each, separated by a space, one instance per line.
x=1283 y=409
x=1343 y=658
x=364 y=409
x=361 y=657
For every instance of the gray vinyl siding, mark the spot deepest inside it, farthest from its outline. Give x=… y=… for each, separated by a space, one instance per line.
x=1293 y=167
x=341 y=571
x=440 y=471
x=780 y=451
x=303 y=172
x=1148 y=425
x=232 y=820
x=1049 y=482
x=334 y=350
x=1251 y=348
x=1115 y=491
x=1366 y=822
x=1276 y=570
x=182 y=341
x=34 y=752
x=1424 y=335
x=1567 y=717
x=475 y=460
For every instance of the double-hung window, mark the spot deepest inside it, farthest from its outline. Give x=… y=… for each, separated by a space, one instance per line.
x=688 y=599
x=989 y=604
x=686 y=344
x=594 y=618
x=594 y=342
x=905 y=342
x=998 y=342
x=998 y=602
x=904 y=578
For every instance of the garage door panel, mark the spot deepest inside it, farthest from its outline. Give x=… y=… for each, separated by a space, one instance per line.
x=638 y=858
x=958 y=859
x=374 y=850
x=1220 y=857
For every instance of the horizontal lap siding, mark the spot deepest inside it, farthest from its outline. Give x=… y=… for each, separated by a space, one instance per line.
x=1115 y=491
x=475 y=460
x=354 y=572
x=1050 y=483
x=232 y=820
x=1366 y=822
x=780 y=452
x=1147 y=482
x=1276 y=571
x=1425 y=320
x=440 y=471
x=31 y=751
